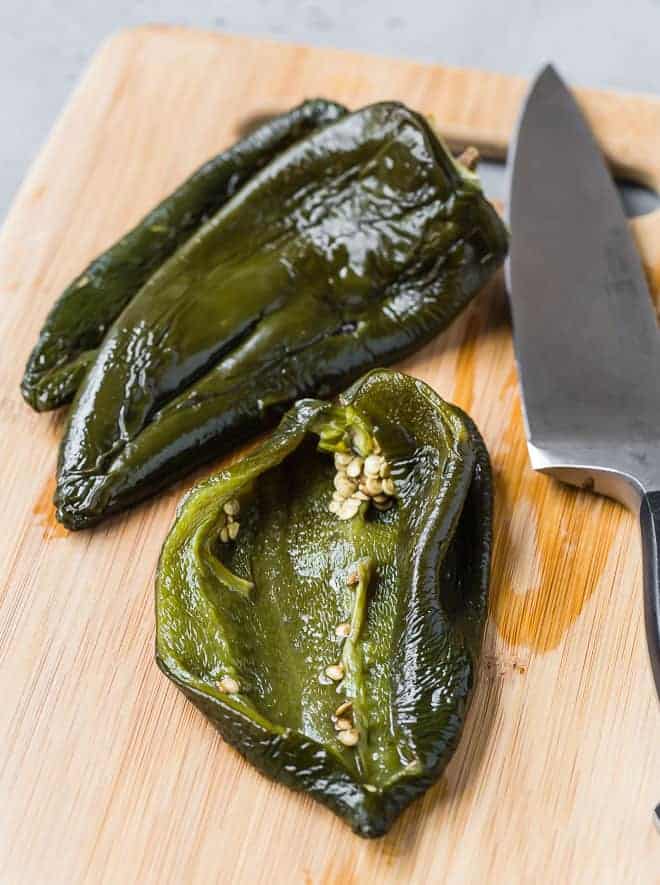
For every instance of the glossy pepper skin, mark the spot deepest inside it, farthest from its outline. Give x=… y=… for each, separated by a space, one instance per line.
x=349 y=250
x=78 y=322
x=262 y=609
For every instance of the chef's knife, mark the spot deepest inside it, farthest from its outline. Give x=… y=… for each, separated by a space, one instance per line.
x=585 y=331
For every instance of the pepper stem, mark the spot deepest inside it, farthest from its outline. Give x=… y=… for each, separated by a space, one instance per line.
x=469 y=158
x=344 y=429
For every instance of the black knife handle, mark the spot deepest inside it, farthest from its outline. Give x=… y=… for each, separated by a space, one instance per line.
x=650 y=519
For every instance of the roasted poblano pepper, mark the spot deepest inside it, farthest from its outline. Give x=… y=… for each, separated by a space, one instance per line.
x=87 y=308
x=348 y=250
x=322 y=600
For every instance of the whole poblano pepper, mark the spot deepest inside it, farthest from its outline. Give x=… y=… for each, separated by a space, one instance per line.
x=350 y=249
x=87 y=308
x=322 y=601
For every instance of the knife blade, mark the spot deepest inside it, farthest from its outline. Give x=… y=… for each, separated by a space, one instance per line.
x=585 y=331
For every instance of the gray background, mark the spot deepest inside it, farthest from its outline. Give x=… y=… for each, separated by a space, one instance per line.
x=45 y=45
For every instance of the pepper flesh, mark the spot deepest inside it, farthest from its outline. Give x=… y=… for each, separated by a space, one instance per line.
x=349 y=250
x=78 y=322
x=412 y=583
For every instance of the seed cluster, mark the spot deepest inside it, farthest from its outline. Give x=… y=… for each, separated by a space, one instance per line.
x=342 y=720
x=361 y=479
x=230 y=524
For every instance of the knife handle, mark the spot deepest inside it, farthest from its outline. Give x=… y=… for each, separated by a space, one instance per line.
x=650 y=519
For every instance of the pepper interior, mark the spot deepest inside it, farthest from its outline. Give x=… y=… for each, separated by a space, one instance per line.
x=289 y=575
x=261 y=611
x=289 y=539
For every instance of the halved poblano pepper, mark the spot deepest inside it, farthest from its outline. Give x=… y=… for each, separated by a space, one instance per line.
x=87 y=308
x=322 y=601
x=348 y=250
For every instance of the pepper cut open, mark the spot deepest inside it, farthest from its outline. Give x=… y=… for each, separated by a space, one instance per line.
x=351 y=643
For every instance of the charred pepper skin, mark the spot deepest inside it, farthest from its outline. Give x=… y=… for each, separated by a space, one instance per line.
x=78 y=322
x=349 y=250
x=411 y=671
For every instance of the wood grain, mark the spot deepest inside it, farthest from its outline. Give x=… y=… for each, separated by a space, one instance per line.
x=106 y=773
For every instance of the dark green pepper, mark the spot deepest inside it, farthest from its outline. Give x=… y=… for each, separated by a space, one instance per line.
x=87 y=308
x=349 y=250
x=335 y=647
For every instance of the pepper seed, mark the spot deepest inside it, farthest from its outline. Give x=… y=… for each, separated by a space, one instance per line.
x=231 y=507
x=354 y=469
x=343 y=724
x=343 y=630
x=373 y=486
x=343 y=459
x=224 y=535
x=349 y=738
x=228 y=685
x=344 y=485
x=335 y=672
x=372 y=465
x=388 y=486
x=348 y=509
x=232 y=530
x=343 y=708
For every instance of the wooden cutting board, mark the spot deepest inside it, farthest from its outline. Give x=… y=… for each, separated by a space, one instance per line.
x=106 y=773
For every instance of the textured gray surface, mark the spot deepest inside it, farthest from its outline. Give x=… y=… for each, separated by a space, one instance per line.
x=45 y=45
